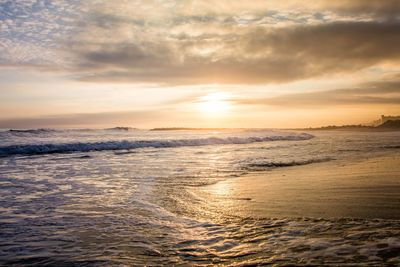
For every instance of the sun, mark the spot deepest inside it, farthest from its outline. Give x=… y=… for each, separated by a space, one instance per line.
x=215 y=104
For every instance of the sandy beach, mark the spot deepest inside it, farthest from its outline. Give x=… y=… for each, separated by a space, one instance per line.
x=367 y=188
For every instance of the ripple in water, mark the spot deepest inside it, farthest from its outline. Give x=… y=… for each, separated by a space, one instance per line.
x=102 y=208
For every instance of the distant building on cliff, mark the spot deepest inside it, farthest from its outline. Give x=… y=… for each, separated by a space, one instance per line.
x=384 y=119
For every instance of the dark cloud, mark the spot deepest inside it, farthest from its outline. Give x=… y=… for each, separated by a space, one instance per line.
x=197 y=42
x=257 y=55
x=388 y=9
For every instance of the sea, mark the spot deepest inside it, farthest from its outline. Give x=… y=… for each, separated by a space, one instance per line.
x=123 y=197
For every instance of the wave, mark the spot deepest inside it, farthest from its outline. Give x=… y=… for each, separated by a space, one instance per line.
x=32 y=131
x=119 y=128
x=391 y=147
x=278 y=164
x=127 y=145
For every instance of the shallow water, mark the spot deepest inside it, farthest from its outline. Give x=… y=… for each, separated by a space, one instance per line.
x=109 y=197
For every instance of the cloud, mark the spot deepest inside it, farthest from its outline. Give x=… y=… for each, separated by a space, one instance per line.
x=251 y=56
x=31 y=31
x=388 y=9
x=228 y=7
x=199 y=42
x=374 y=93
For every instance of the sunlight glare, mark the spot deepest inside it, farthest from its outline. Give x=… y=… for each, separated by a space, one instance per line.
x=215 y=104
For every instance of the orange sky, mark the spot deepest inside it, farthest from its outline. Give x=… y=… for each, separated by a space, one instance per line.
x=198 y=63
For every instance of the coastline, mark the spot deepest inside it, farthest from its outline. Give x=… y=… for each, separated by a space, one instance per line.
x=365 y=189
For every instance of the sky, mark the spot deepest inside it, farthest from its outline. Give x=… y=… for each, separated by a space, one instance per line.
x=198 y=63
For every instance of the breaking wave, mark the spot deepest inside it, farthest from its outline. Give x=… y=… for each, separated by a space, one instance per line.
x=391 y=147
x=32 y=131
x=38 y=149
x=120 y=129
x=260 y=166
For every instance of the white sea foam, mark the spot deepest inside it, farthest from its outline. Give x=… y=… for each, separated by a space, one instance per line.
x=36 y=149
x=138 y=205
x=258 y=166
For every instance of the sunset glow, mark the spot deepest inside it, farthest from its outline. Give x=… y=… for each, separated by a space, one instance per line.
x=199 y=133
x=94 y=64
x=214 y=104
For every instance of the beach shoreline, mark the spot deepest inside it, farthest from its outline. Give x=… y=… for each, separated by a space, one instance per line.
x=366 y=188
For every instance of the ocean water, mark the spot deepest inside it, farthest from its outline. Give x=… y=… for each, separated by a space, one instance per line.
x=122 y=197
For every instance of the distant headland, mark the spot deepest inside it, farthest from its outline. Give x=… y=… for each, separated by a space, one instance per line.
x=187 y=129
x=385 y=123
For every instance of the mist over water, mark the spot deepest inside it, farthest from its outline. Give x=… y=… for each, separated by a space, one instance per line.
x=109 y=197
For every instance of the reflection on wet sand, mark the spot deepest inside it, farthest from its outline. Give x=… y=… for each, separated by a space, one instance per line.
x=368 y=188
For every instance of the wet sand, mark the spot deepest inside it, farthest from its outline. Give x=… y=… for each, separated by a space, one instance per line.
x=366 y=188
